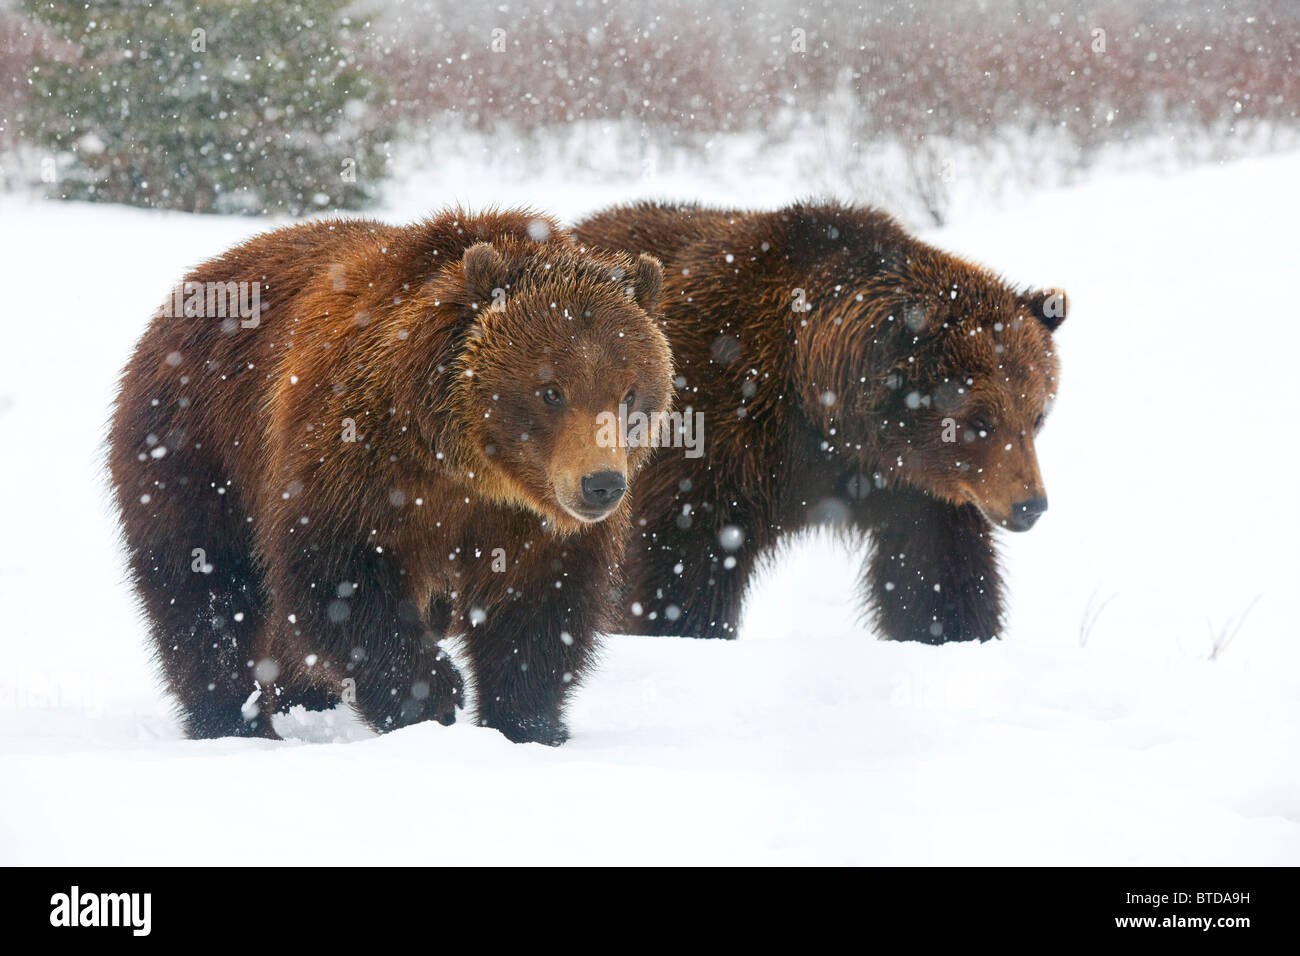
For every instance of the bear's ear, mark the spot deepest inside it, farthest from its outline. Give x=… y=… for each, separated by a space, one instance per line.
x=647 y=282
x=485 y=271
x=1047 y=306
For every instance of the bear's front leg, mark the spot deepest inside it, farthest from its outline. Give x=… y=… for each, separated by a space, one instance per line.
x=531 y=645
x=932 y=575
x=357 y=633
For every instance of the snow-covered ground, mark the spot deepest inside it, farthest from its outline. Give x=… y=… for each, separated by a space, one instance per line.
x=1170 y=463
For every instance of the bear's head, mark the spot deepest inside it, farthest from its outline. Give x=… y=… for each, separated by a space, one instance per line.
x=950 y=378
x=559 y=341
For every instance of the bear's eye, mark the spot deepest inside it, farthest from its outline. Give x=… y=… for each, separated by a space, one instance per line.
x=553 y=397
x=630 y=398
x=981 y=425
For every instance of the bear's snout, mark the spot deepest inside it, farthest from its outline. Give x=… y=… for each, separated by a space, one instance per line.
x=603 y=489
x=1025 y=513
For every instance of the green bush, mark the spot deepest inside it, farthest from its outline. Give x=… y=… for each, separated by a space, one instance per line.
x=209 y=106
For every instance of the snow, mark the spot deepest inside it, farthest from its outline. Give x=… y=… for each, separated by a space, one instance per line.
x=1169 y=464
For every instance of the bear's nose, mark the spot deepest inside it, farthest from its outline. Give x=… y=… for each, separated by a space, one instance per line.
x=1025 y=513
x=603 y=488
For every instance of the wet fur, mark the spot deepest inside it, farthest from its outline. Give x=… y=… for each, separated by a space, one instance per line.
x=807 y=419
x=339 y=566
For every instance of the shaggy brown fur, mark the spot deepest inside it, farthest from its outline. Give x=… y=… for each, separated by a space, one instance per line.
x=902 y=402
x=403 y=443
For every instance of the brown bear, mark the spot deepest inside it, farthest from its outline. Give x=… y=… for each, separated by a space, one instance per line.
x=340 y=441
x=847 y=374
